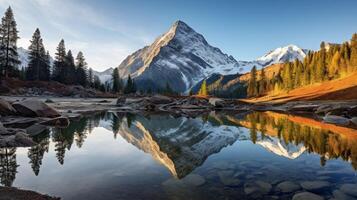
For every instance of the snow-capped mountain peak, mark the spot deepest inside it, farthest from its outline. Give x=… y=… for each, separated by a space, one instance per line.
x=104 y=76
x=181 y=57
x=283 y=54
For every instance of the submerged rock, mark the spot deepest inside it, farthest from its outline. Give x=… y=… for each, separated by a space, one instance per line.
x=288 y=187
x=227 y=178
x=35 y=108
x=350 y=189
x=354 y=120
x=307 y=196
x=338 y=194
x=257 y=189
x=315 y=185
x=333 y=119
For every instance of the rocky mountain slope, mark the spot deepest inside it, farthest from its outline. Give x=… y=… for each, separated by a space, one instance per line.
x=181 y=58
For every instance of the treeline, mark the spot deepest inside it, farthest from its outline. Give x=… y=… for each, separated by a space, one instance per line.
x=64 y=69
x=330 y=62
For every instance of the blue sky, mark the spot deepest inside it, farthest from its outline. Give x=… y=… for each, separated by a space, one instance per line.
x=109 y=30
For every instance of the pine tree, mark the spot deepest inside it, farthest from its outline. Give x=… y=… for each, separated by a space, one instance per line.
x=81 y=70
x=334 y=65
x=321 y=65
x=262 y=82
x=117 y=83
x=96 y=83
x=203 y=89
x=70 y=69
x=38 y=68
x=252 y=84
x=130 y=86
x=60 y=63
x=90 y=78
x=8 y=48
x=353 y=56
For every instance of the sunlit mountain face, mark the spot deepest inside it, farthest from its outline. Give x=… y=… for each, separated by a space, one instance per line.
x=114 y=153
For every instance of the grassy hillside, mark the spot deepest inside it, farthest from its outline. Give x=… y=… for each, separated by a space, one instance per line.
x=338 y=89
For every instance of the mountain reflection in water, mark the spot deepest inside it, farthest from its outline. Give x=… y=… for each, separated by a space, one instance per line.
x=183 y=144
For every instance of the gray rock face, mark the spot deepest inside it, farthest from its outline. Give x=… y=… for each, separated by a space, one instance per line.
x=315 y=185
x=180 y=58
x=35 y=108
x=333 y=119
x=307 y=196
x=6 y=108
x=288 y=187
x=354 y=120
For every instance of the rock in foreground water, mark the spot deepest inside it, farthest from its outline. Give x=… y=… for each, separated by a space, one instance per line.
x=35 y=108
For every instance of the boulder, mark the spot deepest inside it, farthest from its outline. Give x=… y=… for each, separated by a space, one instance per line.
x=35 y=108
x=354 y=120
x=15 y=138
x=216 y=102
x=160 y=99
x=352 y=112
x=349 y=189
x=315 y=185
x=337 y=194
x=323 y=109
x=303 y=108
x=257 y=189
x=35 y=129
x=307 y=196
x=6 y=108
x=339 y=110
x=58 y=122
x=333 y=119
x=288 y=187
x=121 y=100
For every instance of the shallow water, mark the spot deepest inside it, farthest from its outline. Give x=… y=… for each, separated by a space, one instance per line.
x=215 y=156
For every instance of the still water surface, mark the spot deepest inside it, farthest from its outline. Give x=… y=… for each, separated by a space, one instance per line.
x=215 y=156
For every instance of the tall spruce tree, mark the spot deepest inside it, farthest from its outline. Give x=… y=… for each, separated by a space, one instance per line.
x=70 y=69
x=117 y=83
x=130 y=86
x=8 y=45
x=353 y=55
x=262 y=82
x=60 y=63
x=81 y=70
x=252 y=84
x=38 y=68
x=321 y=65
x=90 y=78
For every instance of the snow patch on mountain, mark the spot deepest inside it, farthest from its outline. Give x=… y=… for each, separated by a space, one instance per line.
x=181 y=57
x=104 y=76
x=279 y=55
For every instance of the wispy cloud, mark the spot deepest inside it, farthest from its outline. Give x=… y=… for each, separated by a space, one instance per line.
x=78 y=23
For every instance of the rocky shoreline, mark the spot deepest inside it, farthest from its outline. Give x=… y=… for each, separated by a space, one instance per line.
x=23 y=118
x=334 y=112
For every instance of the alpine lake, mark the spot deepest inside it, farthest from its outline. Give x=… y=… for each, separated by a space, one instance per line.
x=255 y=155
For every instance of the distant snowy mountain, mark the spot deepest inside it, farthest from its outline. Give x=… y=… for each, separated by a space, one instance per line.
x=279 y=55
x=181 y=57
x=104 y=76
